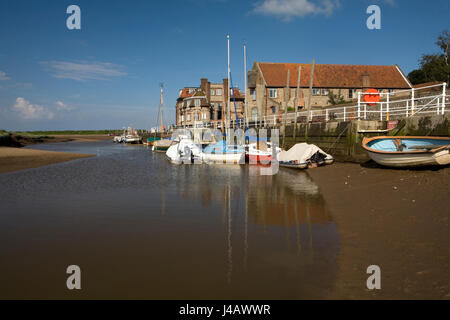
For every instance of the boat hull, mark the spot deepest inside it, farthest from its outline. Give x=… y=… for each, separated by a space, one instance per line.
x=411 y=160
x=225 y=158
x=260 y=159
x=300 y=166
x=160 y=148
x=402 y=152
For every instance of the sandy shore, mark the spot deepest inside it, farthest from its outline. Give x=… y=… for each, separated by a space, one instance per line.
x=67 y=138
x=13 y=159
x=396 y=219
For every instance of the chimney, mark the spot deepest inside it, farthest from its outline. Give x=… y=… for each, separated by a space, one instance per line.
x=365 y=78
x=225 y=91
x=203 y=84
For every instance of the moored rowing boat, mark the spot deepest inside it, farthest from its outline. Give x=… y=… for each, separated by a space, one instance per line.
x=408 y=151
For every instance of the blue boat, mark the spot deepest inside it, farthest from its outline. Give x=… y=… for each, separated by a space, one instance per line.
x=408 y=151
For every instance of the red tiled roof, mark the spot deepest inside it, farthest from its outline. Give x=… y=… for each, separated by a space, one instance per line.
x=185 y=93
x=333 y=75
x=237 y=94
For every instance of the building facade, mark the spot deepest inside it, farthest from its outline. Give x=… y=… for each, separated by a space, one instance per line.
x=207 y=104
x=269 y=88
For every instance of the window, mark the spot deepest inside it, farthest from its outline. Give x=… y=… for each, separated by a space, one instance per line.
x=273 y=93
x=253 y=93
x=274 y=110
x=191 y=90
x=197 y=117
x=204 y=116
x=197 y=102
x=325 y=92
x=255 y=114
x=213 y=92
x=182 y=118
x=188 y=117
x=219 y=112
x=350 y=93
x=316 y=92
x=218 y=92
x=188 y=103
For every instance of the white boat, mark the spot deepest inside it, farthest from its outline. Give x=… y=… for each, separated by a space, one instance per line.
x=162 y=145
x=221 y=153
x=408 y=151
x=303 y=155
x=132 y=139
x=118 y=139
x=184 y=151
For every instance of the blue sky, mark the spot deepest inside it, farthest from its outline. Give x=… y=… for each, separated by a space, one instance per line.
x=107 y=74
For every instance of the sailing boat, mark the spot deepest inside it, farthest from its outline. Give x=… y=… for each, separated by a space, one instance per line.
x=163 y=144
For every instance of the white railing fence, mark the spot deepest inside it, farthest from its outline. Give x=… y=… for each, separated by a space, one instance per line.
x=394 y=105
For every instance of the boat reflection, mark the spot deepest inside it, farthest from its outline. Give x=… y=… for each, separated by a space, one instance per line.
x=286 y=209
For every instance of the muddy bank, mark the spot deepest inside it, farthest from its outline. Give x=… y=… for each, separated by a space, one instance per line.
x=396 y=219
x=18 y=140
x=13 y=159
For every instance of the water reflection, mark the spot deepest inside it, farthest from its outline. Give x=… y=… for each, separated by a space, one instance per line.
x=289 y=202
x=164 y=231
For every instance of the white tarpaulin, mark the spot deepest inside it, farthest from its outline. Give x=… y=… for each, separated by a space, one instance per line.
x=301 y=153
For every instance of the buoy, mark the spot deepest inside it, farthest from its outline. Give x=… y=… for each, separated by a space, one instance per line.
x=371 y=96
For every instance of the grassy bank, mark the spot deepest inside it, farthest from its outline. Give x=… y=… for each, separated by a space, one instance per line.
x=65 y=132
x=8 y=139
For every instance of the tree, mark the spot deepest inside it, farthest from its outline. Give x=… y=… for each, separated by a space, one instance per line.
x=444 y=43
x=417 y=76
x=335 y=99
x=434 y=67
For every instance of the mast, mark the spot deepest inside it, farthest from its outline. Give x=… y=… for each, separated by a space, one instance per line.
x=228 y=89
x=245 y=88
x=161 y=107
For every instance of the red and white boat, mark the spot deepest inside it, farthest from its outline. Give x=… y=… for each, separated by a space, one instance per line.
x=261 y=153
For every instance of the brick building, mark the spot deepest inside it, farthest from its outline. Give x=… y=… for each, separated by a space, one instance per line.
x=267 y=84
x=206 y=104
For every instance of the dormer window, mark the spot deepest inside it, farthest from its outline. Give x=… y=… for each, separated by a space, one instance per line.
x=197 y=102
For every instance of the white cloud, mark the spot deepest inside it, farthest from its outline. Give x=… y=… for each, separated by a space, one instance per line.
x=61 y=106
x=288 y=9
x=30 y=111
x=83 y=71
x=3 y=76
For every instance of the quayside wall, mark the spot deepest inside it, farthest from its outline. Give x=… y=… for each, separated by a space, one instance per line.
x=343 y=139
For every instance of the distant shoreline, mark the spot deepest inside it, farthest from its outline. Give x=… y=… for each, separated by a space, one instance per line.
x=14 y=157
x=9 y=139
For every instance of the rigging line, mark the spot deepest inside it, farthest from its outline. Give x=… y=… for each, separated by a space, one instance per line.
x=234 y=101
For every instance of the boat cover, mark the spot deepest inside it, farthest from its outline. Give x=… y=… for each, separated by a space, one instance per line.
x=302 y=153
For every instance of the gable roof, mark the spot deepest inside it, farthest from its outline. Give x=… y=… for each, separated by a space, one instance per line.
x=334 y=76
